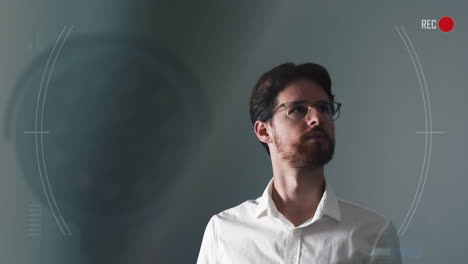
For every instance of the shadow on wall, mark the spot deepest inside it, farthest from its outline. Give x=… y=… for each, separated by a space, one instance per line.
x=100 y=125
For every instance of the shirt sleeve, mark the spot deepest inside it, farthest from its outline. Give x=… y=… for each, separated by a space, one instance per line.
x=207 y=253
x=386 y=247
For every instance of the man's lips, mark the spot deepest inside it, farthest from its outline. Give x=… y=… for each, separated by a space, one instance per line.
x=315 y=136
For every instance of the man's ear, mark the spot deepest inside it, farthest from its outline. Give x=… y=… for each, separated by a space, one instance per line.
x=263 y=132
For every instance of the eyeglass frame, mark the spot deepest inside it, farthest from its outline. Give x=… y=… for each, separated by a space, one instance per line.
x=310 y=106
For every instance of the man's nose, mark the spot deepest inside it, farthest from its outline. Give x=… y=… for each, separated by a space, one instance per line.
x=314 y=117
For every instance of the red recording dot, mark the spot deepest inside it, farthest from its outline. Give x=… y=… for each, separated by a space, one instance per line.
x=446 y=24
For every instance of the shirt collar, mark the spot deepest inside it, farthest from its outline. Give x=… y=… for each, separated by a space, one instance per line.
x=328 y=204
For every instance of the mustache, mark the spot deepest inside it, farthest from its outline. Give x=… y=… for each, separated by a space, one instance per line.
x=316 y=131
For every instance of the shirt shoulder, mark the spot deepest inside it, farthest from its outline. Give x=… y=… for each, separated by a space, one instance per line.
x=238 y=220
x=367 y=226
x=373 y=229
x=355 y=213
x=242 y=212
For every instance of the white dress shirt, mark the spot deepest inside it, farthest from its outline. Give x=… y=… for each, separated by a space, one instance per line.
x=339 y=232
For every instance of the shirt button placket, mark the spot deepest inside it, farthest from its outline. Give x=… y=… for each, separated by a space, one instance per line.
x=297 y=242
x=293 y=246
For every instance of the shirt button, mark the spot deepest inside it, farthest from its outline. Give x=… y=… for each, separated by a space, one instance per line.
x=296 y=232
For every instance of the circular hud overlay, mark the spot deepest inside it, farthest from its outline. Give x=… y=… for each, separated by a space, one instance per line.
x=103 y=124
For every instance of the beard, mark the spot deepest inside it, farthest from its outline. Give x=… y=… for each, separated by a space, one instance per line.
x=302 y=154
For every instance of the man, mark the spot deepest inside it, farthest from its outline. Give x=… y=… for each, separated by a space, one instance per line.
x=298 y=219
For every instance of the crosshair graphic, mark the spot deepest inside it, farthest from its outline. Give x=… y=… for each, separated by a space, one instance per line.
x=39 y=126
x=105 y=113
x=428 y=129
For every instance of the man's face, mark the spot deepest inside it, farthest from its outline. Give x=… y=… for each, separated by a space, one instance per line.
x=291 y=139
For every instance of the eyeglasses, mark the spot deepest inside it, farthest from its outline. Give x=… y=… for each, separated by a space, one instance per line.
x=299 y=110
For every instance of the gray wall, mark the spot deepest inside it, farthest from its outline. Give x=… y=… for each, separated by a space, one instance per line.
x=416 y=179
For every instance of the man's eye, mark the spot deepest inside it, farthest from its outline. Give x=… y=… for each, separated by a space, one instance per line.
x=300 y=109
x=324 y=108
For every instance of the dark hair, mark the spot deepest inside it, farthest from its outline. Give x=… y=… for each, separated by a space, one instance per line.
x=275 y=80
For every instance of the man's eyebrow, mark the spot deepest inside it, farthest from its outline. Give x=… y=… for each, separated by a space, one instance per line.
x=299 y=102
x=293 y=102
x=305 y=102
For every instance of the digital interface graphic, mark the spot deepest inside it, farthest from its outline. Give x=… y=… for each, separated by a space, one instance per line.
x=125 y=125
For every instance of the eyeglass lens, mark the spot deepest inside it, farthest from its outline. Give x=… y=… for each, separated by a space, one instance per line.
x=299 y=111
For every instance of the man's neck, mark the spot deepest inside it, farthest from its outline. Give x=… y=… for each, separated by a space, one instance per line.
x=297 y=192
